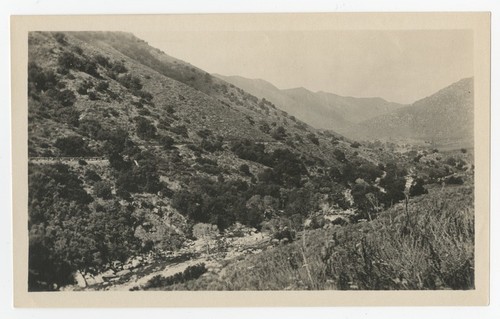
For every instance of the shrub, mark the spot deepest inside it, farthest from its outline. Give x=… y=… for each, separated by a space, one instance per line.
x=180 y=130
x=102 y=190
x=40 y=79
x=102 y=86
x=60 y=38
x=93 y=96
x=84 y=87
x=279 y=133
x=72 y=146
x=418 y=188
x=167 y=142
x=339 y=155
x=264 y=127
x=190 y=273
x=144 y=128
x=119 y=67
x=211 y=146
x=92 y=175
x=355 y=144
x=130 y=82
x=245 y=169
x=102 y=60
x=205 y=133
x=313 y=138
x=454 y=180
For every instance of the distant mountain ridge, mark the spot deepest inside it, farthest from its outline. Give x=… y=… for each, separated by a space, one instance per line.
x=319 y=109
x=444 y=117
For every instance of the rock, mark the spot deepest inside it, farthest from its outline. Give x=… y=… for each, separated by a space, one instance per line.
x=284 y=241
x=117 y=264
x=275 y=241
x=123 y=272
x=135 y=263
x=108 y=272
x=80 y=280
x=337 y=219
x=109 y=277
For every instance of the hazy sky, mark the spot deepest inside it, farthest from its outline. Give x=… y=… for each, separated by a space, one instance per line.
x=400 y=66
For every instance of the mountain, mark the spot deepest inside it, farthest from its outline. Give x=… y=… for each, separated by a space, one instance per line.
x=321 y=109
x=444 y=118
x=129 y=148
x=133 y=155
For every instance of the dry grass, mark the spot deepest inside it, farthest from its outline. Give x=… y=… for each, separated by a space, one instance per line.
x=429 y=245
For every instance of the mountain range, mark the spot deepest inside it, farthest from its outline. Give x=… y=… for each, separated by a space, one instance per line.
x=321 y=110
x=133 y=153
x=445 y=117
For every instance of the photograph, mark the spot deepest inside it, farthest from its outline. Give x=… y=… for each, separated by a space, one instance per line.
x=253 y=153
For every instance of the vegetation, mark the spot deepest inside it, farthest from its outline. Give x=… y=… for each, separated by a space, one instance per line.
x=120 y=176
x=190 y=273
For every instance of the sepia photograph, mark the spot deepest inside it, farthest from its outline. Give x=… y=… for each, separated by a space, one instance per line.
x=254 y=153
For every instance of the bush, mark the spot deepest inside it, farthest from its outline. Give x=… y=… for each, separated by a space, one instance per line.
x=454 y=180
x=205 y=133
x=190 y=273
x=60 y=37
x=72 y=146
x=130 y=82
x=93 y=96
x=418 y=188
x=102 y=86
x=264 y=127
x=313 y=138
x=102 y=60
x=355 y=145
x=279 y=133
x=245 y=169
x=84 y=87
x=180 y=130
x=211 y=146
x=39 y=79
x=119 y=67
x=167 y=142
x=92 y=175
x=65 y=97
x=144 y=128
x=102 y=190
x=339 y=155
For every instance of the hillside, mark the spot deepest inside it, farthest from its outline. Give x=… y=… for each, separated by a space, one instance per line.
x=137 y=159
x=444 y=118
x=321 y=109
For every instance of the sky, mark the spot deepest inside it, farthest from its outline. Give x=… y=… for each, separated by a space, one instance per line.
x=398 y=65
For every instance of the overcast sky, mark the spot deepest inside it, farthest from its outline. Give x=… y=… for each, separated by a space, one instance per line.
x=399 y=66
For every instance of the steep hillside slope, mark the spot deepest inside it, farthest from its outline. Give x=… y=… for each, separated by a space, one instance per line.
x=444 y=118
x=321 y=109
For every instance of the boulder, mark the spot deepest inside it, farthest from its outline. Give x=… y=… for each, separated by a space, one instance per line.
x=123 y=272
x=135 y=263
x=80 y=280
x=337 y=219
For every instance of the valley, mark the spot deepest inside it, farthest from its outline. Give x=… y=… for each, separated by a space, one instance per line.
x=148 y=173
